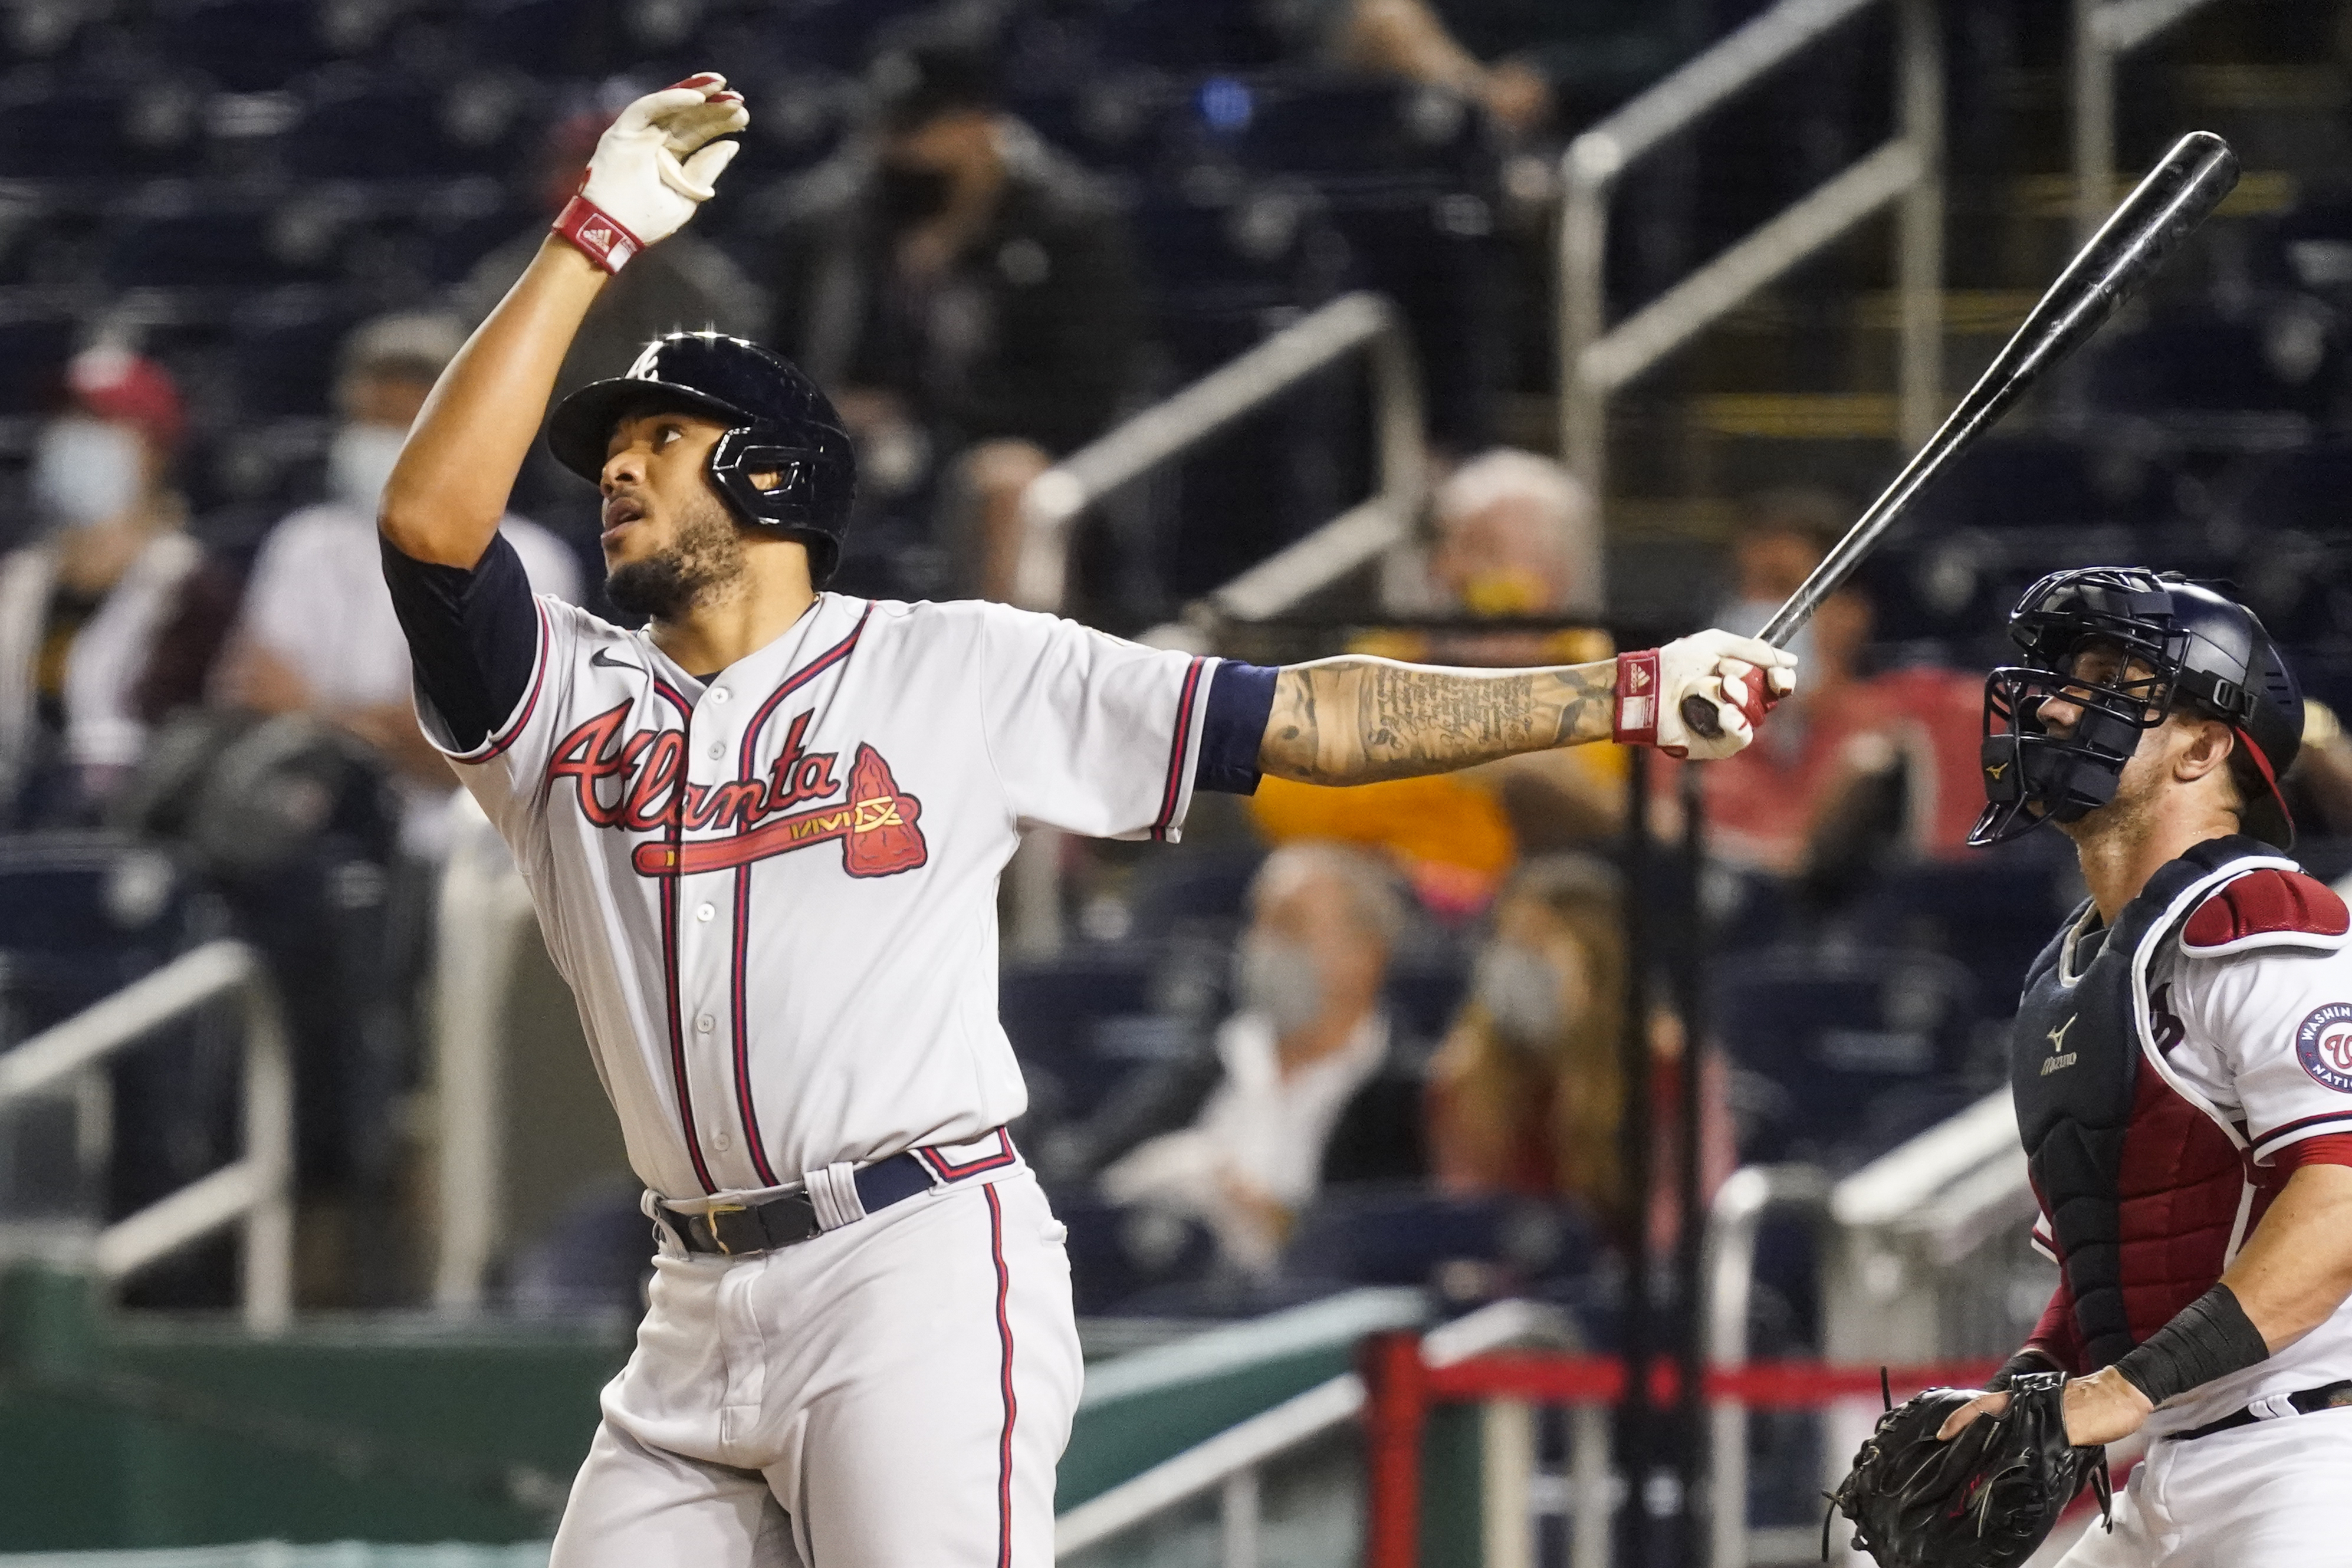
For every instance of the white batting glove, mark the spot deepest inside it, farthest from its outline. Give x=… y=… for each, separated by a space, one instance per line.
x=1739 y=677
x=652 y=168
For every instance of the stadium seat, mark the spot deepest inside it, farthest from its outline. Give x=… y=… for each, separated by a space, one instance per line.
x=1863 y=1043
x=2220 y=382
x=1992 y=912
x=35 y=340
x=1375 y=134
x=181 y=237
x=248 y=46
x=1080 y=1024
x=283 y=349
x=1382 y=1235
x=2298 y=565
x=359 y=125
x=151 y=125
x=1190 y=35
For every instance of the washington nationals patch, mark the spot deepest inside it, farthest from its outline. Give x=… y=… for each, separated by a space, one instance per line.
x=2323 y=1043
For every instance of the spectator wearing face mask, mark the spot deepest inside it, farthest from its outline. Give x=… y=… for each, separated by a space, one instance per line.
x=316 y=634
x=1314 y=1087
x=1517 y=537
x=967 y=295
x=110 y=616
x=1528 y=1093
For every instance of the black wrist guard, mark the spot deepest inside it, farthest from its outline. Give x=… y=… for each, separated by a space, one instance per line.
x=2016 y=1365
x=2211 y=1337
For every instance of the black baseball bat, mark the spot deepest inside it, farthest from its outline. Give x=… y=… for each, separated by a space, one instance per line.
x=2178 y=193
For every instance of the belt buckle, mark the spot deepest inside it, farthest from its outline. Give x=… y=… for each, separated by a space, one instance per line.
x=711 y=1223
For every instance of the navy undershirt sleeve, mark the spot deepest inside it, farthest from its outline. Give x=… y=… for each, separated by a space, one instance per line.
x=473 y=636
x=1241 y=698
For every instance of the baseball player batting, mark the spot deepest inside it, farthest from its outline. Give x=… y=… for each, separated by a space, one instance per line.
x=2183 y=1068
x=763 y=837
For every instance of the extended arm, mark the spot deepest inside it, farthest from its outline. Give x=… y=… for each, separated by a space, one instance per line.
x=1354 y=720
x=445 y=497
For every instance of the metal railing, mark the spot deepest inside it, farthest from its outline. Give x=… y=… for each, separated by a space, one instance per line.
x=1353 y=323
x=2104 y=31
x=256 y=1187
x=482 y=911
x=1230 y=1463
x=1597 y=360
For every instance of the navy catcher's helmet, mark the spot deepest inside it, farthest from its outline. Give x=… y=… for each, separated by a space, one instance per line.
x=2206 y=654
x=777 y=421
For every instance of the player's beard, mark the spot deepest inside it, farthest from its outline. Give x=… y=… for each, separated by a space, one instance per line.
x=704 y=565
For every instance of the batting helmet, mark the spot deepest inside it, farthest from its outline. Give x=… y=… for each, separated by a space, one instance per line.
x=778 y=422
x=2205 y=653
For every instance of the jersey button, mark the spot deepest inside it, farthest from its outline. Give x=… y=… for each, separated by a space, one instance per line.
x=721 y=1141
x=718 y=748
x=705 y=1024
x=719 y=694
x=704 y=912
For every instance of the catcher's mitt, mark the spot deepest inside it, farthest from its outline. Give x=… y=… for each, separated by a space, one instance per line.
x=1985 y=1500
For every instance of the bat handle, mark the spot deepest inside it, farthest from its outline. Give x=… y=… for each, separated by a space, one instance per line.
x=1699 y=717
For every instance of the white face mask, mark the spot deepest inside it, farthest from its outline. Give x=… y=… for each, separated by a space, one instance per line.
x=1276 y=977
x=86 y=471
x=359 y=462
x=1521 y=995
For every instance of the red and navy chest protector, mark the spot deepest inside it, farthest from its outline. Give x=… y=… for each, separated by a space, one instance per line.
x=2143 y=1190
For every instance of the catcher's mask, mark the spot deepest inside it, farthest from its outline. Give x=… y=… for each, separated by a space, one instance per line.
x=2128 y=649
x=778 y=422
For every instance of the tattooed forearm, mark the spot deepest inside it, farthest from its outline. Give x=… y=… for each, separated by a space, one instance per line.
x=1353 y=720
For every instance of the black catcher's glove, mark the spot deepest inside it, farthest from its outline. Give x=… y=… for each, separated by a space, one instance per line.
x=1985 y=1500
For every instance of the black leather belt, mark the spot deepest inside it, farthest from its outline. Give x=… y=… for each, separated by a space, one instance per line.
x=2333 y=1397
x=735 y=1228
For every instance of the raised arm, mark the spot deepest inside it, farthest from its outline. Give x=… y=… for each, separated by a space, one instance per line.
x=652 y=168
x=1354 y=720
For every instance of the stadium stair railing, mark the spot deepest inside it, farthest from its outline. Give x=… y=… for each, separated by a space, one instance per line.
x=255 y=1189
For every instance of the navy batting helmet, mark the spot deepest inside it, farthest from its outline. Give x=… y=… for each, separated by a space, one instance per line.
x=778 y=424
x=2203 y=653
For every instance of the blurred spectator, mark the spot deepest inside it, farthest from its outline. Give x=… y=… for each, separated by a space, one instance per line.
x=1781 y=537
x=1517 y=536
x=1410 y=38
x=1528 y=1093
x=110 y=617
x=1315 y=1088
x=317 y=634
x=685 y=282
x=1854 y=771
x=967 y=295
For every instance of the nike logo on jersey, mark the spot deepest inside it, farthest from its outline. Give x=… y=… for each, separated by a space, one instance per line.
x=603 y=656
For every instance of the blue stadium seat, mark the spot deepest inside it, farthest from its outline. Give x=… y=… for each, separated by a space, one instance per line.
x=35 y=343
x=2298 y=565
x=1991 y=912
x=82 y=916
x=1377 y=134
x=1190 y=35
x=359 y=125
x=282 y=350
x=2219 y=381
x=247 y=45
x=1081 y=1024
x=1404 y=1234
x=1863 y=1046
x=184 y=237
x=148 y=124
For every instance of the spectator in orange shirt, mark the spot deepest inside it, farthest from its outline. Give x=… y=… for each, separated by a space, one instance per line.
x=1517 y=536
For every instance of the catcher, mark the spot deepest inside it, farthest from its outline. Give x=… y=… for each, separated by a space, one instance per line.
x=2183 y=1069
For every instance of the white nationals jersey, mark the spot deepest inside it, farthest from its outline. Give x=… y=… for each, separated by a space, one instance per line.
x=774 y=894
x=2249 y=1013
